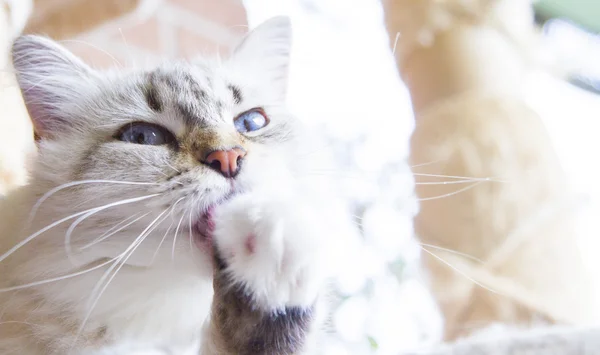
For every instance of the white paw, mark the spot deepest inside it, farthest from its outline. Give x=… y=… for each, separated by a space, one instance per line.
x=274 y=248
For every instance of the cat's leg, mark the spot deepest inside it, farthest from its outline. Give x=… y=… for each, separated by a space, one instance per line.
x=272 y=259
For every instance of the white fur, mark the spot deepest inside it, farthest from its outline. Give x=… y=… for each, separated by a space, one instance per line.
x=288 y=257
x=157 y=301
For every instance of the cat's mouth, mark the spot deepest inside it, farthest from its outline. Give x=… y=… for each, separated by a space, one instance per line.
x=203 y=229
x=204 y=226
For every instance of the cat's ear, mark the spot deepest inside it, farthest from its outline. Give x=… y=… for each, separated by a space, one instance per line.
x=49 y=77
x=265 y=53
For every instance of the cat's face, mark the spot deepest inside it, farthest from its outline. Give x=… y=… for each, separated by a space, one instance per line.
x=157 y=148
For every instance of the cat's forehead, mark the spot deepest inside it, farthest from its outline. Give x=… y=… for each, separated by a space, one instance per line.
x=183 y=79
x=196 y=93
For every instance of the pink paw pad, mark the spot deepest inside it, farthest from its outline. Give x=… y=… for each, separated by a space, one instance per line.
x=251 y=244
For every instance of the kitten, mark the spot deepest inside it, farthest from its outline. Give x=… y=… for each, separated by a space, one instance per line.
x=170 y=210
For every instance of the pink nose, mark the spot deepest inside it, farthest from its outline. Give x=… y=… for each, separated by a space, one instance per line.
x=227 y=162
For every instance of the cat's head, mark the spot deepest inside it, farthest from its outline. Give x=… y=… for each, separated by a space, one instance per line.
x=154 y=150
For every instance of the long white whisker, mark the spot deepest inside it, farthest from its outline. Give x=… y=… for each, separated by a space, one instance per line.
x=460 y=177
x=161 y=243
x=34 y=235
x=133 y=63
x=171 y=166
x=451 y=193
x=452 y=182
x=132 y=245
x=106 y=236
x=358 y=173
x=156 y=168
x=119 y=224
x=175 y=237
x=95 y=47
x=425 y=164
x=129 y=251
x=461 y=272
x=471 y=257
x=191 y=234
x=70 y=230
x=396 y=42
x=58 y=278
x=75 y=183
x=167 y=232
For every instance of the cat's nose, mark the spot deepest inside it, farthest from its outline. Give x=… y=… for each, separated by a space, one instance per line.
x=227 y=162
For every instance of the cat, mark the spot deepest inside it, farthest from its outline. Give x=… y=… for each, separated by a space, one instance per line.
x=170 y=210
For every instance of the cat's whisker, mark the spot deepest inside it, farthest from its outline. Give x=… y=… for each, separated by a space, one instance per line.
x=149 y=164
x=175 y=237
x=75 y=215
x=161 y=242
x=124 y=257
x=449 y=182
x=191 y=234
x=464 y=255
x=68 y=249
x=377 y=173
x=450 y=194
x=366 y=174
x=76 y=183
x=172 y=209
x=128 y=252
x=133 y=63
x=460 y=272
x=132 y=245
x=452 y=182
x=95 y=47
x=425 y=164
x=472 y=178
x=171 y=166
x=112 y=232
x=58 y=278
x=158 y=169
x=430 y=183
x=395 y=43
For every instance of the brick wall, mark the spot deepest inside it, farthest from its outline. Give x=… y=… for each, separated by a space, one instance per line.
x=172 y=29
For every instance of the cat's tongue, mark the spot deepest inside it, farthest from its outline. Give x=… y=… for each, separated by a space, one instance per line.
x=204 y=229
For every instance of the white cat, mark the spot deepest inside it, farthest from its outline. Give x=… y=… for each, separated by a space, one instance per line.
x=170 y=210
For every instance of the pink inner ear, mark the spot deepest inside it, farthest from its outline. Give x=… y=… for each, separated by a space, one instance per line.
x=47 y=73
x=45 y=122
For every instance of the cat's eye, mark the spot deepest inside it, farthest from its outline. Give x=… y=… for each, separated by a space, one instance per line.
x=145 y=133
x=251 y=121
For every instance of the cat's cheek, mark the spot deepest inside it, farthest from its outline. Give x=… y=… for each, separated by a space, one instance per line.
x=272 y=249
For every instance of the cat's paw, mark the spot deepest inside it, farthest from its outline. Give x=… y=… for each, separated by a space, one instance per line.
x=274 y=250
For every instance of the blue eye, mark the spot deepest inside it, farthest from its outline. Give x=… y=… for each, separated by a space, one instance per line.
x=251 y=121
x=145 y=133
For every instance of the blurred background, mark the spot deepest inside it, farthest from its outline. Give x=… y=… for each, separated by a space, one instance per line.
x=366 y=88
